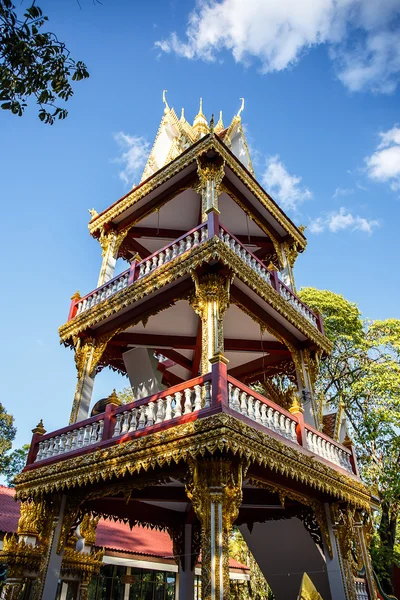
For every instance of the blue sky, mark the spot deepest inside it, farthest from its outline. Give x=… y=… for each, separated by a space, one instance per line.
x=322 y=104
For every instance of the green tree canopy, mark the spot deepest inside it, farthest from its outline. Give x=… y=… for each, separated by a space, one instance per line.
x=7 y=435
x=34 y=63
x=363 y=374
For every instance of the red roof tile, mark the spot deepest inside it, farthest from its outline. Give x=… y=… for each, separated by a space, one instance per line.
x=329 y=423
x=9 y=510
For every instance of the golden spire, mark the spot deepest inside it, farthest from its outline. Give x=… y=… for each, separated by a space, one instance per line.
x=183 y=115
x=200 y=124
x=220 y=125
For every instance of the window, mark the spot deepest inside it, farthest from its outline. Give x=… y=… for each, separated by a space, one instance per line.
x=143 y=584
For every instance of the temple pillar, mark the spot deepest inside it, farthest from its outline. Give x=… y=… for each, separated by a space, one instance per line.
x=211 y=174
x=306 y=373
x=50 y=572
x=84 y=388
x=333 y=560
x=186 y=553
x=216 y=494
x=344 y=536
x=87 y=355
x=110 y=243
x=210 y=301
x=289 y=254
x=363 y=531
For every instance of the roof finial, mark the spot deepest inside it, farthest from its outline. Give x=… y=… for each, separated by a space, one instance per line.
x=241 y=108
x=182 y=114
x=164 y=99
x=220 y=125
x=201 y=106
x=212 y=123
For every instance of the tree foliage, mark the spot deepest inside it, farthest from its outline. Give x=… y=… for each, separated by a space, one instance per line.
x=7 y=435
x=257 y=587
x=34 y=63
x=363 y=374
x=15 y=462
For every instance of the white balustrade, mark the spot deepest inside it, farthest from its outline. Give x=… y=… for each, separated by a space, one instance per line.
x=246 y=256
x=298 y=305
x=89 y=435
x=173 y=251
x=193 y=398
x=266 y=415
x=361 y=590
x=328 y=450
x=145 y=267
x=107 y=290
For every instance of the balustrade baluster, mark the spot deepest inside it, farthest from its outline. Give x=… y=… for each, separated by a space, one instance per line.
x=188 y=401
x=288 y=430
x=150 y=414
x=181 y=246
x=175 y=250
x=81 y=435
x=160 y=411
x=40 y=452
x=264 y=418
x=250 y=410
x=100 y=431
x=168 y=408
x=243 y=403
x=257 y=414
x=204 y=234
x=178 y=404
x=236 y=402
x=86 y=435
x=293 y=433
x=188 y=242
x=117 y=428
x=270 y=418
x=45 y=449
x=276 y=422
x=133 y=423
x=154 y=262
x=93 y=433
x=282 y=425
x=207 y=397
x=142 y=417
x=148 y=267
x=168 y=252
x=141 y=269
x=161 y=259
x=197 y=397
x=125 y=421
x=196 y=237
x=74 y=439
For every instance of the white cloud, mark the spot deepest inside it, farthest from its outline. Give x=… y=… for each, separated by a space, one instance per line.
x=342 y=192
x=284 y=187
x=384 y=164
x=342 y=220
x=279 y=32
x=135 y=151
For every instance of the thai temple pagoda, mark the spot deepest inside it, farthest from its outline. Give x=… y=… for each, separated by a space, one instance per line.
x=224 y=428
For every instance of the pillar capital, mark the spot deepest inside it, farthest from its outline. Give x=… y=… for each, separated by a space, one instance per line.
x=211 y=173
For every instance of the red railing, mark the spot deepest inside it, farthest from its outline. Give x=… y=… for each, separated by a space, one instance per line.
x=190 y=400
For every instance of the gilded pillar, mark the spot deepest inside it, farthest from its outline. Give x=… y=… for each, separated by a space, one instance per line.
x=216 y=494
x=210 y=301
x=211 y=174
x=363 y=531
x=110 y=242
x=350 y=559
x=289 y=252
x=87 y=356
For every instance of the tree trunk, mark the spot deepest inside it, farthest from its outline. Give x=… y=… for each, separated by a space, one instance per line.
x=387 y=536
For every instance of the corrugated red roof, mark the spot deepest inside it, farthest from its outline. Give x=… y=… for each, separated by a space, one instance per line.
x=118 y=536
x=329 y=423
x=9 y=510
x=113 y=535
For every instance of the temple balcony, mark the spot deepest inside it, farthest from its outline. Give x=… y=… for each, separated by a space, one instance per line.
x=189 y=402
x=207 y=244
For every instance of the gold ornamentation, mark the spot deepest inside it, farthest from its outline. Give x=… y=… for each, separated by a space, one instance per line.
x=205 y=252
x=39 y=429
x=87 y=529
x=71 y=512
x=78 y=563
x=210 y=301
x=33 y=518
x=207 y=143
x=308 y=590
x=218 y=433
x=93 y=213
x=210 y=176
x=216 y=495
